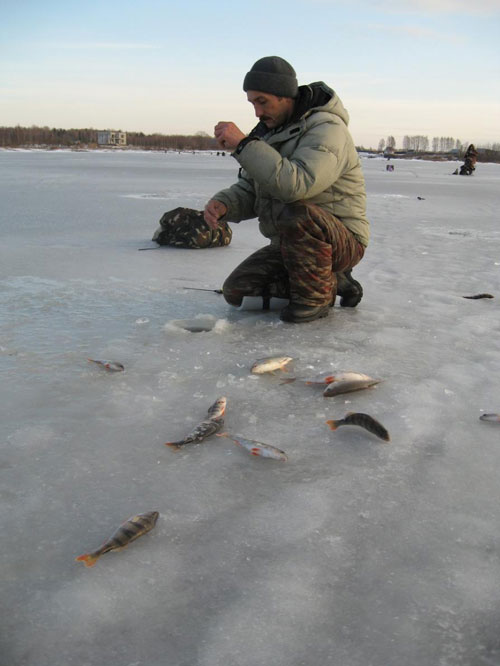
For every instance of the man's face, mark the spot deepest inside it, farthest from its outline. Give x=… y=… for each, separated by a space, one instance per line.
x=271 y=110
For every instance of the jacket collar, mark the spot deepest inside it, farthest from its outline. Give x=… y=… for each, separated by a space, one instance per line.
x=309 y=97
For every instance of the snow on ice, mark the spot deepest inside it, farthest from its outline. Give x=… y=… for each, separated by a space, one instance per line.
x=355 y=552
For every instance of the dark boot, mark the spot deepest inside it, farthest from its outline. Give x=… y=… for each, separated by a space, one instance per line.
x=349 y=289
x=298 y=313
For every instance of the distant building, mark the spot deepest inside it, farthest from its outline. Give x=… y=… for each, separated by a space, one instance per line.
x=111 y=138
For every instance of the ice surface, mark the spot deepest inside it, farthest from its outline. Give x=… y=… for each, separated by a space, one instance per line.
x=355 y=552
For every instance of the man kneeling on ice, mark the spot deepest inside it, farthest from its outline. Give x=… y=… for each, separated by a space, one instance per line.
x=301 y=176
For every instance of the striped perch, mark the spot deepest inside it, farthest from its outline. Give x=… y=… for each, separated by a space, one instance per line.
x=130 y=530
x=198 y=434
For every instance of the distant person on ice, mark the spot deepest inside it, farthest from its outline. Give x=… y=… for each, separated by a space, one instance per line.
x=301 y=176
x=470 y=159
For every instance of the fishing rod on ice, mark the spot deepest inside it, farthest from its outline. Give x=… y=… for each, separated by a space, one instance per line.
x=215 y=291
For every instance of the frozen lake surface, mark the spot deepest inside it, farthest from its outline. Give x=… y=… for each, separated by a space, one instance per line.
x=353 y=553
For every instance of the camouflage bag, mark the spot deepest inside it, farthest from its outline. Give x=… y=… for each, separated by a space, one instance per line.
x=185 y=227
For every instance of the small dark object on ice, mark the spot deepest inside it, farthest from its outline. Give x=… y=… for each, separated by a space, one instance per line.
x=476 y=296
x=421 y=198
x=495 y=418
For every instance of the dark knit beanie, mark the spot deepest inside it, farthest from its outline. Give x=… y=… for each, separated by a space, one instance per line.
x=272 y=75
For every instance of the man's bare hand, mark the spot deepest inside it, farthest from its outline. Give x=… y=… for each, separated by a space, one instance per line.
x=213 y=211
x=228 y=135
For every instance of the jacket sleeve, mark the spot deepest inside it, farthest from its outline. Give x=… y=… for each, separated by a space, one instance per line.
x=239 y=199
x=316 y=163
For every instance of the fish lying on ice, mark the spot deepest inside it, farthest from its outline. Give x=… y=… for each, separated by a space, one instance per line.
x=218 y=409
x=128 y=531
x=257 y=448
x=270 y=364
x=207 y=427
x=110 y=366
x=364 y=421
x=346 y=382
x=494 y=418
x=201 y=432
x=476 y=296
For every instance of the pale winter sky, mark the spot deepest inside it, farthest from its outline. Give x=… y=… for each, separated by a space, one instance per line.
x=429 y=67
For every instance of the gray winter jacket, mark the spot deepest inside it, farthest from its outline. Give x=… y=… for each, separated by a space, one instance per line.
x=312 y=158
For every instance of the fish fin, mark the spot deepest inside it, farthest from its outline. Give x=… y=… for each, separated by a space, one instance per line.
x=173 y=445
x=327 y=380
x=332 y=424
x=255 y=452
x=88 y=559
x=222 y=434
x=285 y=369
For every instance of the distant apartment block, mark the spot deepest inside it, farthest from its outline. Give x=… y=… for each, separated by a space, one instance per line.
x=111 y=138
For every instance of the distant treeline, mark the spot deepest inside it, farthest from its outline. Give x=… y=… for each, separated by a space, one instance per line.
x=15 y=137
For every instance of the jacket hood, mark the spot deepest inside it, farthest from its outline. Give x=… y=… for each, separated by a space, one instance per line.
x=318 y=97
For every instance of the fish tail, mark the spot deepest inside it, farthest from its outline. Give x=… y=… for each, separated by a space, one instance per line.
x=332 y=424
x=174 y=445
x=89 y=559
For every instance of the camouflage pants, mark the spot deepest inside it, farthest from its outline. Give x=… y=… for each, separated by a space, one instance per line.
x=185 y=227
x=314 y=245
